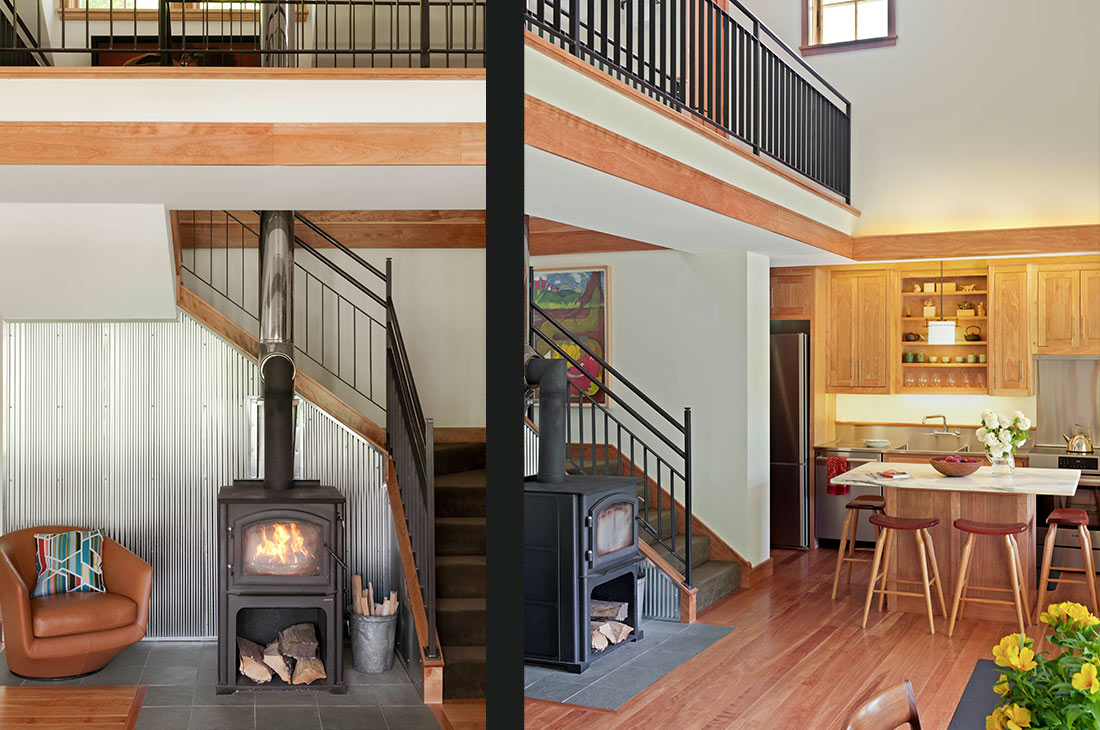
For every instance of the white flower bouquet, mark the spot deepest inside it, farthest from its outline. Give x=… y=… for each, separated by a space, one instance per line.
x=1003 y=435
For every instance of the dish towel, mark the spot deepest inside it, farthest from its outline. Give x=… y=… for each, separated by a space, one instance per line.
x=834 y=467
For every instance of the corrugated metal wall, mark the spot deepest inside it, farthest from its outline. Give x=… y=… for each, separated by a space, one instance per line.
x=133 y=426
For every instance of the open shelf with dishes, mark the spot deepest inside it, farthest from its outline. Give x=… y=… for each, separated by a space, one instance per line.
x=958 y=367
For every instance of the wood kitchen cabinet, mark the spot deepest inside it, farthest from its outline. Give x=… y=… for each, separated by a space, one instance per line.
x=857 y=339
x=1009 y=336
x=1068 y=309
x=791 y=294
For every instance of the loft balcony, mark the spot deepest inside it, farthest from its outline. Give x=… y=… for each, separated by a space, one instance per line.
x=306 y=34
x=719 y=67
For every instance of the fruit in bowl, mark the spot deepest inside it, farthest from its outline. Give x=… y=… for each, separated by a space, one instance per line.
x=955 y=466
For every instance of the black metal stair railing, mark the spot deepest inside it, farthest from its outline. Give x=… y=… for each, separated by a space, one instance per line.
x=319 y=34
x=657 y=448
x=340 y=331
x=717 y=63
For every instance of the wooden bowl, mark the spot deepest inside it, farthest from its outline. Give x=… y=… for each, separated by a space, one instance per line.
x=955 y=468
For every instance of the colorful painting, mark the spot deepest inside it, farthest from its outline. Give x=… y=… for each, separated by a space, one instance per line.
x=577 y=300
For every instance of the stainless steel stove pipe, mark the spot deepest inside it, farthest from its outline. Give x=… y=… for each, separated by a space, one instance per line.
x=276 y=34
x=277 y=345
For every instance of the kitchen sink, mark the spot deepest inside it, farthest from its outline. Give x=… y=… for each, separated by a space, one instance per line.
x=963 y=449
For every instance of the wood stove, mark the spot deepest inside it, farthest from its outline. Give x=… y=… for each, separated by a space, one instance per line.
x=580 y=545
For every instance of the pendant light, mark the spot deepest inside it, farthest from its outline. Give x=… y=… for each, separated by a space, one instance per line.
x=941 y=331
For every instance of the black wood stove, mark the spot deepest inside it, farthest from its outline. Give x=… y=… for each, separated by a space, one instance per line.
x=580 y=542
x=280 y=541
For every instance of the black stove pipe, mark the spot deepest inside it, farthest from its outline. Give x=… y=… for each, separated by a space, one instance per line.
x=277 y=345
x=549 y=374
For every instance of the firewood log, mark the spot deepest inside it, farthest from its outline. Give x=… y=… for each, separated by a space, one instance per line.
x=306 y=671
x=619 y=631
x=298 y=641
x=252 y=661
x=605 y=629
x=599 y=641
x=612 y=610
x=357 y=593
x=370 y=599
x=274 y=659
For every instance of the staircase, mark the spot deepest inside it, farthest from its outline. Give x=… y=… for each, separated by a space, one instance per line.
x=460 y=566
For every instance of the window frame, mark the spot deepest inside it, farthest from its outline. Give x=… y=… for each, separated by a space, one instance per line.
x=73 y=11
x=811 y=11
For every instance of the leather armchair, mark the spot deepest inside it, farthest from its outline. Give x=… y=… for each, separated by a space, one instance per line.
x=70 y=634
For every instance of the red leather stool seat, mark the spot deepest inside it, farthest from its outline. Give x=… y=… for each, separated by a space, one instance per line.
x=867 y=501
x=991 y=528
x=1068 y=516
x=904 y=523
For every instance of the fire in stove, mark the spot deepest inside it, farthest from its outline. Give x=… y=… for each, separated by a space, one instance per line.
x=282 y=548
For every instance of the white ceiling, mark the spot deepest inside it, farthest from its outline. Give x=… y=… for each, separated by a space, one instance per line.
x=568 y=192
x=86 y=262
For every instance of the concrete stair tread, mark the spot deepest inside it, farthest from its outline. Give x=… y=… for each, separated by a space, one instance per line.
x=458 y=457
x=463 y=671
x=715 y=580
x=459 y=561
x=700 y=550
x=459 y=604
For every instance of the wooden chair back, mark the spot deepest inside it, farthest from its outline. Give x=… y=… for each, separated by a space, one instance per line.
x=888 y=710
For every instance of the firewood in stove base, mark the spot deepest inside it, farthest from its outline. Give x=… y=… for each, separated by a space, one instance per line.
x=252 y=661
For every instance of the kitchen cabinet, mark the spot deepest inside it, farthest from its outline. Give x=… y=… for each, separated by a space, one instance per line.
x=857 y=340
x=1009 y=337
x=791 y=294
x=1068 y=309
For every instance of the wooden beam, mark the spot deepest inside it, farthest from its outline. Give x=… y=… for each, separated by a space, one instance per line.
x=549 y=237
x=971 y=244
x=691 y=122
x=560 y=133
x=203 y=143
x=253 y=74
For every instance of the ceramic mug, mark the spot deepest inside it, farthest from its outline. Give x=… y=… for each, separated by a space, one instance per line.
x=981 y=358
x=920 y=357
x=907 y=357
x=971 y=358
x=958 y=358
x=933 y=358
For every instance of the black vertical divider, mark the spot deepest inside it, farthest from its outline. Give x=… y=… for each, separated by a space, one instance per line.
x=505 y=335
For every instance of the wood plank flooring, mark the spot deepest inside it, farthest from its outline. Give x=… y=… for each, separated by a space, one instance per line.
x=64 y=708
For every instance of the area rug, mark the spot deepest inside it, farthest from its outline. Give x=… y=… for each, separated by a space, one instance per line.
x=979 y=699
x=612 y=681
x=109 y=708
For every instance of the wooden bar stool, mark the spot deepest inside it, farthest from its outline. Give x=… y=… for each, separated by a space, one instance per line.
x=1015 y=569
x=919 y=526
x=848 y=534
x=1066 y=517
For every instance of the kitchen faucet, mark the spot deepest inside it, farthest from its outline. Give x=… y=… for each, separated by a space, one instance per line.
x=944 y=431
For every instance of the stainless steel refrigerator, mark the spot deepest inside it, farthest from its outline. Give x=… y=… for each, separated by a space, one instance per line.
x=790 y=440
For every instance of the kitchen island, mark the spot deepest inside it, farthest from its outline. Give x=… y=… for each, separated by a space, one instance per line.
x=982 y=497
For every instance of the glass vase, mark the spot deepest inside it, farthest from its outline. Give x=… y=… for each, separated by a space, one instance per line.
x=1002 y=466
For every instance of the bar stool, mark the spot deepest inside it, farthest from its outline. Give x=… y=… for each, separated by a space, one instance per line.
x=1067 y=517
x=919 y=526
x=848 y=534
x=1015 y=569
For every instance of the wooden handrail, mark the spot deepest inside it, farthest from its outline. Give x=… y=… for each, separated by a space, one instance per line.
x=688 y=594
x=433 y=668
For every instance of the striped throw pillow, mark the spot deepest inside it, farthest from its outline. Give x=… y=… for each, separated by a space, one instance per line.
x=69 y=562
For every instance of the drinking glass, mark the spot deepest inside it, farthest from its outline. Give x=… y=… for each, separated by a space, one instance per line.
x=922 y=380
x=951 y=380
x=966 y=380
x=910 y=381
x=937 y=381
x=980 y=380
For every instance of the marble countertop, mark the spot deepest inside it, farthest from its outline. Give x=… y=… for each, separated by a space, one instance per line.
x=1025 y=480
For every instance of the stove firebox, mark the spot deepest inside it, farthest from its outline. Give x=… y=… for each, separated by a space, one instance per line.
x=280 y=553
x=580 y=545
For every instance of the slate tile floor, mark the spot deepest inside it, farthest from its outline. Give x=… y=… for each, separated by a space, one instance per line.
x=180 y=677
x=612 y=681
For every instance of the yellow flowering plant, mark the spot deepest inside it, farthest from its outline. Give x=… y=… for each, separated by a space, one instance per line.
x=1057 y=690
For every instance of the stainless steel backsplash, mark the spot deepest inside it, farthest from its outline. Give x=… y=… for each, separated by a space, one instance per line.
x=1067 y=391
x=133 y=426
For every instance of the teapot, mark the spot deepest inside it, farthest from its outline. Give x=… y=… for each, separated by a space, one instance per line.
x=911 y=336
x=973 y=336
x=1079 y=442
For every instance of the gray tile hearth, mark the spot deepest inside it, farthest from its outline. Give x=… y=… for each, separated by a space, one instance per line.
x=612 y=681
x=180 y=676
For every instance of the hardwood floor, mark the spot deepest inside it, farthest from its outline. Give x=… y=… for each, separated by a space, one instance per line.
x=797 y=661
x=64 y=708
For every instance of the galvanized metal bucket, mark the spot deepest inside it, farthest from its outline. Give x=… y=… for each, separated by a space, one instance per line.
x=372 y=642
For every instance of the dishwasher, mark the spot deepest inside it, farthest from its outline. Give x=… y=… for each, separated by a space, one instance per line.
x=829 y=509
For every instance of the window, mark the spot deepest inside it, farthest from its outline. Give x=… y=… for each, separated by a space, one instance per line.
x=842 y=25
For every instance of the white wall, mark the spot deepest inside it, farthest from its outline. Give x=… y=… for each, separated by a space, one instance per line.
x=986 y=114
x=961 y=410
x=692 y=330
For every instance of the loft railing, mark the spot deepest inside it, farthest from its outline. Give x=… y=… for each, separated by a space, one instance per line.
x=23 y=30
x=220 y=251
x=600 y=441
x=318 y=33
x=718 y=64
